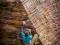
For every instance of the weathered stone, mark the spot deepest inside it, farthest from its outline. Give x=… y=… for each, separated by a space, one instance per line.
x=46 y=14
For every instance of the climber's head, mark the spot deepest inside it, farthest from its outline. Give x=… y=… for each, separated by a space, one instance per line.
x=28 y=31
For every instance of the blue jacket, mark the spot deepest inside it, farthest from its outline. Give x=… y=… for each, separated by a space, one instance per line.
x=26 y=39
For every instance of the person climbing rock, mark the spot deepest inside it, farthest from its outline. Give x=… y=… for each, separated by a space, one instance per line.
x=27 y=33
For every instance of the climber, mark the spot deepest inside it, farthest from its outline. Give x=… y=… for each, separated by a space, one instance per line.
x=26 y=32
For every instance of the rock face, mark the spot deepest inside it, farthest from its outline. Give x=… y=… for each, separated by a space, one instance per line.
x=11 y=16
x=45 y=16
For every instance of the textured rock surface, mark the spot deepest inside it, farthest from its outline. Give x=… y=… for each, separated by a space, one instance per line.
x=45 y=16
x=11 y=16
